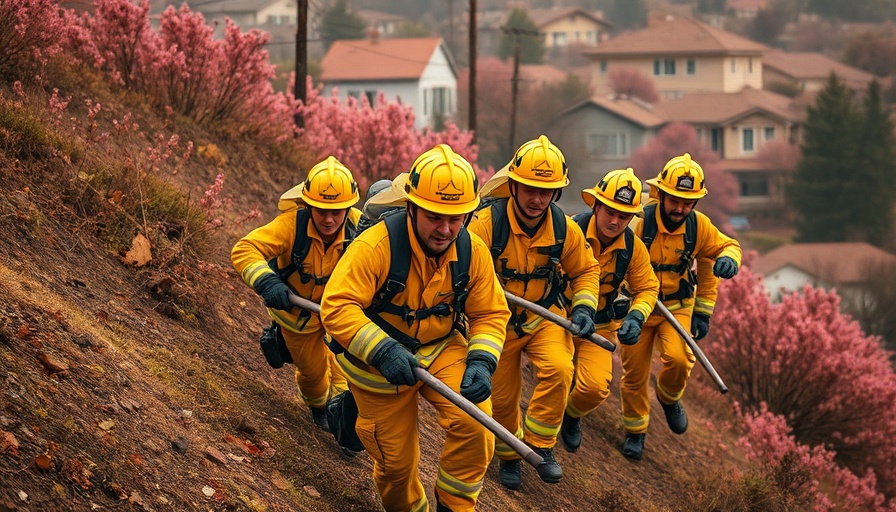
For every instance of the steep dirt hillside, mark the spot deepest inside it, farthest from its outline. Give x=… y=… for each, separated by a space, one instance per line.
x=144 y=389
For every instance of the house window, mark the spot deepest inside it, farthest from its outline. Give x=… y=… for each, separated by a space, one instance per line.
x=354 y=94
x=591 y=37
x=748 y=144
x=441 y=100
x=768 y=133
x=559 y=38
x=753 y=186
x=716 y=139
x=577 y=37
x=663 y=67
x=733 y=65
x=603 y=67
x=750 y=65
x=609 y=144
x=692 y=67
x=371 y=97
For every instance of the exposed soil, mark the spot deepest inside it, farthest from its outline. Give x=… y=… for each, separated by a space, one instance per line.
x=137 y=388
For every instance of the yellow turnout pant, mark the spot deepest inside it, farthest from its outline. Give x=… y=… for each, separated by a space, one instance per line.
x=318 y=376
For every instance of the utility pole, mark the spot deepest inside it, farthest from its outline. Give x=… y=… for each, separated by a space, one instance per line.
x=515 y=80
x=471 y=122
x=451 y=27
x=301 y=93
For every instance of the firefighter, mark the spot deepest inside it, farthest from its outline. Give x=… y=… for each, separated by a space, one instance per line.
x=418 y=289
x=317 y=216
x=614 y=201
x=676 y=235
x=536 y=249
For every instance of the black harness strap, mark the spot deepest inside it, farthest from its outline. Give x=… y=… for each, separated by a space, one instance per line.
x=623 y=258
x=396 y=281
x=683 y=268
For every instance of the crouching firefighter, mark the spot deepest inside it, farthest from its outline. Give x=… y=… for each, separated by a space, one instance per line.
x=536 y=249
x=297 y=252
x=675 y=235
x=623 y=258
x=416 y=289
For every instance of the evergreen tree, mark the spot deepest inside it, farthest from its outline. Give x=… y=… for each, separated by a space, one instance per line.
x=877 y=164
x=531 y=46
x=628 y=14
x=827 y=187
x=340 y=23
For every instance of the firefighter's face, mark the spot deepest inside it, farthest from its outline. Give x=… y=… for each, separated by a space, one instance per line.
x=610 y=223
x=437 y=232
x=327 y=222
x=677 y=208
x=533 y=201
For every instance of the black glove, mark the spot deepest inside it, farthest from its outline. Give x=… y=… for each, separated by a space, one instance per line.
x=395 y=362
x=476 y=385
x=274 y=292
x=582 y=320
x=699 y=325
x=630 y=331
x=725 y=267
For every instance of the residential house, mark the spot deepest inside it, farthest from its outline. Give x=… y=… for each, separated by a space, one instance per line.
x=383 y=23
x=570 y=26
x=249 y=13
x=598 y=135
x=745 y=9
x=806 y=71
x=738 y=126
x=846 y=266
x=682 y=56
x=419 y=72
x=604 y=130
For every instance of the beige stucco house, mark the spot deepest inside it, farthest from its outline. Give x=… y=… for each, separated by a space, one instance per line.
x=681 y=56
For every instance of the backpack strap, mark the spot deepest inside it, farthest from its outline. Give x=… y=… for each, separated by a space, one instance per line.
x=302 y=245
x=582 y=219
x=550 y=272
x=683 y=268
x=623 y=258
x=396 y=281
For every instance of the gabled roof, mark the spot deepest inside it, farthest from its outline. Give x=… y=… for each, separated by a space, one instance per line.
x=543 y=17
x=814 y=66
x=678 y=36
x=634 y=111
x=835 y=263
x=381 y=59
x=722 y=108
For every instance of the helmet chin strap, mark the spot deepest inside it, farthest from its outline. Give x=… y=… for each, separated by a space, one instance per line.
x=522 y=212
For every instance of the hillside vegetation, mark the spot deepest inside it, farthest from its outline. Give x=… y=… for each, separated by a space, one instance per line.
x=131 y=375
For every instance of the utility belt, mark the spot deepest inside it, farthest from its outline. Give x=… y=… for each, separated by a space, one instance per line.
x=687 y=284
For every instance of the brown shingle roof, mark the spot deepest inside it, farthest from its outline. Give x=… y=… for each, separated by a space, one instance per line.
x=382 y=59
x=836 y=263
x=814 y=66
x=637 y=112
x=679 y=36
x=721 y=107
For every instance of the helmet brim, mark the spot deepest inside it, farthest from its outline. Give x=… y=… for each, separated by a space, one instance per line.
x=445 y=209
x=653 y=182
x=293 y=198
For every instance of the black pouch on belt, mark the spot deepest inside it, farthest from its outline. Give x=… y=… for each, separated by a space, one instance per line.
x=273 y=346
x=342 y=414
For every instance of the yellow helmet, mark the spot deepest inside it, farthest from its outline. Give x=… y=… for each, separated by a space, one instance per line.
x=443 y=182
x=620 y=190
x=330 y=186
x=539 y=163
x=681 y=177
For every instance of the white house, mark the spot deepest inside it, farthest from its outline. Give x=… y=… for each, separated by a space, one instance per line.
x=846 y=266
x=415 y=71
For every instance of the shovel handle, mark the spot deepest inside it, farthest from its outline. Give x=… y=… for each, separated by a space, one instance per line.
x=547 y=314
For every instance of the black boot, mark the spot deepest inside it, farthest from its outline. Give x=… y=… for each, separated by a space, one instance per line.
x=633 y=447
x=552 y=472
x=319 y=417
x=676 y=417
x=510 y=474
x=571 y=433
x=440 y=507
